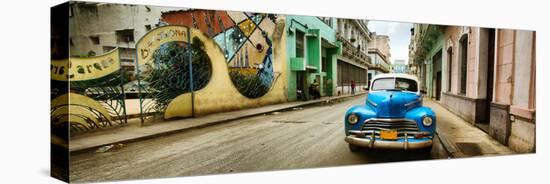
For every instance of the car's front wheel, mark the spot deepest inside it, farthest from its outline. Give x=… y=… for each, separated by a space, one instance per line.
x=354 y=148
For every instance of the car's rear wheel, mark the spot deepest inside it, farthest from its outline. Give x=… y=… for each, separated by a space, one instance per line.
x=354 y=148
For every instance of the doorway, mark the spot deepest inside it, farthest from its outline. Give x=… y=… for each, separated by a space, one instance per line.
x=301 y=85
x=437 y=58
x=490 y=72
x=488 y=41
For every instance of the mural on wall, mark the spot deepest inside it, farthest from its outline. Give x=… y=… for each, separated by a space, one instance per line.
x=172 y=63
x=245 y=40
x=95 y=98
x=170 y=77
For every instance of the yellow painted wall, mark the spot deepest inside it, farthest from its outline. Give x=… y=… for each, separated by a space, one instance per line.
x=220 y=94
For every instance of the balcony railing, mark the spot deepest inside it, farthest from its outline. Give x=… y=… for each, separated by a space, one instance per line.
x=384 y=69
x=353 y=52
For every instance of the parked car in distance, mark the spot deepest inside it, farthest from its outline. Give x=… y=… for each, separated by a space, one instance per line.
x=392 y=117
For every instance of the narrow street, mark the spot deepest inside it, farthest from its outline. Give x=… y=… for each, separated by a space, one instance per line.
x=160 y=92
x=302 y=138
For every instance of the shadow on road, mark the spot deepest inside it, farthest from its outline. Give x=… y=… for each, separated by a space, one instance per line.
x=380 y=155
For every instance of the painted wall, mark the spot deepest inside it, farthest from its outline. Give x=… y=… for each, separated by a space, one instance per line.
x=430 y=65
x=469 y=106
x=512 y=115
x=504 y=66
x=245 y=39
x=524 y=71
x=515 y=88
x=242 y=44
x=221 y=95
x=452 y=37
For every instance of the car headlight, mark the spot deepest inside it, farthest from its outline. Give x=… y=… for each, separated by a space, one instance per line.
x=427 y=120
x=352 y=118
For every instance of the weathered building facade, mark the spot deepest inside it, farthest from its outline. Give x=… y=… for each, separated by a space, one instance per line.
x=486 y=76
x=513 y=107
x=354 y=62
x=379 y=53
x=425 y=55
x=97 y=28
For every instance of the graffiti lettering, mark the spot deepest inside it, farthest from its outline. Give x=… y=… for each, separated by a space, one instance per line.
x=97 y=67
x=85 y=68
x=80 y=69
x=156 y=37
x=58 y=70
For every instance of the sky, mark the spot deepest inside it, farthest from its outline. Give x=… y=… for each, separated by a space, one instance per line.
x=400 y=35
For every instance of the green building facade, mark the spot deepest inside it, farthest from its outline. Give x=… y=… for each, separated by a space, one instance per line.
x=434 y=59
x=430 y=60
x=312 y=51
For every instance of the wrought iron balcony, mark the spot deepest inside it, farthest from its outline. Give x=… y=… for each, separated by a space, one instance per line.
x=353 y=52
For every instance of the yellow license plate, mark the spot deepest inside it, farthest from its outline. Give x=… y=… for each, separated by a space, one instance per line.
x=388 y=134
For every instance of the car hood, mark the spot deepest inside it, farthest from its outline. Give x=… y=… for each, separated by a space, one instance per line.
x=392 y=104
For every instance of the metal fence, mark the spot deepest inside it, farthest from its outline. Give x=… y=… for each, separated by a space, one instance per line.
x=87 y=93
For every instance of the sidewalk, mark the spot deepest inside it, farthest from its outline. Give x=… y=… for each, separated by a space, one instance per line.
x=462 y=139
x=133 y=131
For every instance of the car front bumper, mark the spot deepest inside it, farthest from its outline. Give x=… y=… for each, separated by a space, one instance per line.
x=389 y=144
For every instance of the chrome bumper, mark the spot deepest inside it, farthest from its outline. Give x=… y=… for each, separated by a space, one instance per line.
x=373 y=143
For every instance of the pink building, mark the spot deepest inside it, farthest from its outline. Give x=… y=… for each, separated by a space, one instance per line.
x=486 y=76
x=489 y=80
x=466 y=54
x=513 y=103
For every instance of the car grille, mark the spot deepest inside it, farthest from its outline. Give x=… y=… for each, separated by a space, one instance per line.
x=403 y=126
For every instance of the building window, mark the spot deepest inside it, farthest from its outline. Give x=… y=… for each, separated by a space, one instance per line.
x=147 y=28
x=450 y=68
x=95 y=40
x=463 y=63
x=300 y=44
x=125 y=36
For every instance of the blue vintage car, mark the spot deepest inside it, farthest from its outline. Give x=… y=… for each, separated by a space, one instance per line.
x=392 y=117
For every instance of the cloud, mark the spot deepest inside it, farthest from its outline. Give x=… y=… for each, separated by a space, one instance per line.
x=392 y=28
x=399 y=34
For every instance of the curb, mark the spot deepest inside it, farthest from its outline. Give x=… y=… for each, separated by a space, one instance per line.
x=450 y=148
x=206 y=124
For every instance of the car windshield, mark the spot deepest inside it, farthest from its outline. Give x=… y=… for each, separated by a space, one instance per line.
x=401 y=84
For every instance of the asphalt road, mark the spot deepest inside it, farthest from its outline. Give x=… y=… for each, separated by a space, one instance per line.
x=302 y=138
